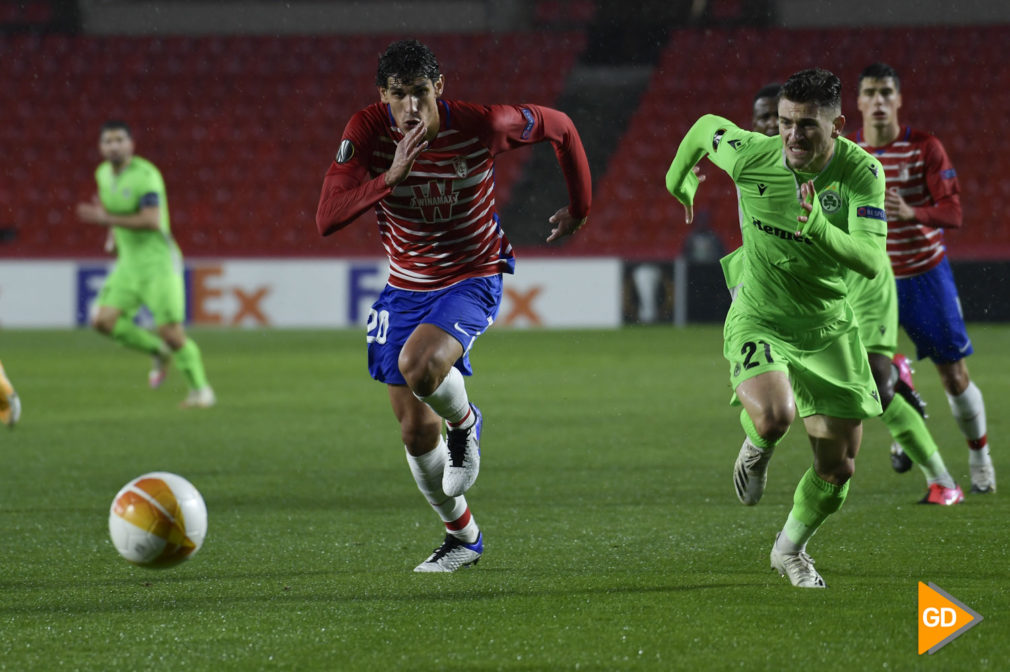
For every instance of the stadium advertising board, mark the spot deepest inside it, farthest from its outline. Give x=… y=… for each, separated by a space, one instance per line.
x=308 y=293
x=38 y=293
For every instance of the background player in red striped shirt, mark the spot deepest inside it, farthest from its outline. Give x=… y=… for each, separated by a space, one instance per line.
x=922 y=200
x=426 y=166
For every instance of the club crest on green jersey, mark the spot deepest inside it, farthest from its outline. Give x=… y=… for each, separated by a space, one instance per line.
x=831 y=202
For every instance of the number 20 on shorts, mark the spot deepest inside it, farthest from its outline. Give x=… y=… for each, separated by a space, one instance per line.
x=378 y=322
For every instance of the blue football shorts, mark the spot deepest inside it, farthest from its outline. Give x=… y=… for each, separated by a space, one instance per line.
x=465 y=311
x=930 y=312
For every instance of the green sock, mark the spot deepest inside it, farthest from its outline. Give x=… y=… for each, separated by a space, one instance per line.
x=936 y=471
x=909 y=431
x=190 y=362
x=752 y=433
x=814 y=500
x=128 y=334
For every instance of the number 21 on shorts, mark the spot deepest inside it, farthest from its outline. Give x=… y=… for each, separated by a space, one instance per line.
x=754 y=354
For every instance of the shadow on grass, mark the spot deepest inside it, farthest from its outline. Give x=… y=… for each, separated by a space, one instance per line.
x=283 y=593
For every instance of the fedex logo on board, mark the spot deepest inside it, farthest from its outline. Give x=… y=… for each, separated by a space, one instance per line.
x=258 y=294
x=202 y=291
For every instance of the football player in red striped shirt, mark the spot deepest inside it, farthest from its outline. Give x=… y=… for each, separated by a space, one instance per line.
x=922 y=200
x=425 y=164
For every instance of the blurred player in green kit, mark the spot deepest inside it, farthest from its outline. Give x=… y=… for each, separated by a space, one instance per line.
x=133 y=204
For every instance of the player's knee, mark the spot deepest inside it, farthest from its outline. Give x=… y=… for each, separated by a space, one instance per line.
x=103 y=324
x=175 y=344
x=773 y=422
x=174 y=338
x=835 y=471
x=419 y=372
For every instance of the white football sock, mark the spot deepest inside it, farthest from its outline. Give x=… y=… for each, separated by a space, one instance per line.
x=449 y=399
x=464 y=527
x=969 y=412
x=427 y=471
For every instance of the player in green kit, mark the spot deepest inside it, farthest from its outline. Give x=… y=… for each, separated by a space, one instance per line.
x=133 y=204
x=875 y=304
x=790 y=336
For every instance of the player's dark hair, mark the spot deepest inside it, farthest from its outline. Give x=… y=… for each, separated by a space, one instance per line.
x=116 y=125
x=773 y=90
x=816 y=85
x=879 y=71
x=405 y=61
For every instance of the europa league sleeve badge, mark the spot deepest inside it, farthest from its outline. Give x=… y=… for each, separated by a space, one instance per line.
x=346 y=151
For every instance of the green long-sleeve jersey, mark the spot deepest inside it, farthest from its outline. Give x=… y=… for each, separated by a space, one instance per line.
x=792 y=273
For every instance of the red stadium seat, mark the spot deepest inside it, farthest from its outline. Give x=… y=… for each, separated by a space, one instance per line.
x=245 y=127
x=724 y=80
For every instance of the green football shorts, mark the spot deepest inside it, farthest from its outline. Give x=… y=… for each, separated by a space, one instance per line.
x=875 y=304
x=826 y=365
x=163 y=293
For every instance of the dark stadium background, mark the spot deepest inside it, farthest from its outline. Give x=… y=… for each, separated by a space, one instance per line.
x=242 y=104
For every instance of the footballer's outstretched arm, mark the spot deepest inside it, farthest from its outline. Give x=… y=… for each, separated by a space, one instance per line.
x=559 y=130
x=682 y=179
x=513 y=126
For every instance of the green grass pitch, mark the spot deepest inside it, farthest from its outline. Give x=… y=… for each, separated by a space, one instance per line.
x=613 y=538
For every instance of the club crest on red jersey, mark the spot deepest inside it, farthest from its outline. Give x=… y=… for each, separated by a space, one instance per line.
x=459 y=165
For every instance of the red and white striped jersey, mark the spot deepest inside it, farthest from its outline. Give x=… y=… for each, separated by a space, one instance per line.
x=917 y=164
x=440 y=226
